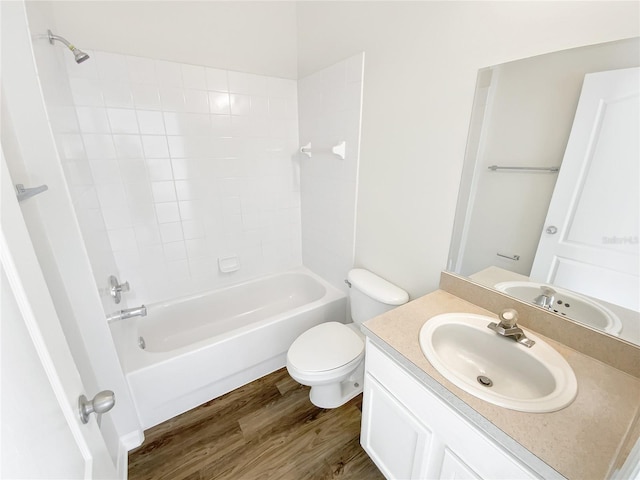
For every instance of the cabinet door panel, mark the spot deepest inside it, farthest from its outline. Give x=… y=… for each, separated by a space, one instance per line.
x=393 y=438
x=455 y=469
x=447 y=428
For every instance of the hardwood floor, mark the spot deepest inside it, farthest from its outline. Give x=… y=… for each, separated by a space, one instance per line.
x=267 y=429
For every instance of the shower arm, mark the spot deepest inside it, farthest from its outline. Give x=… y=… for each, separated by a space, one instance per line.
x=63 y=40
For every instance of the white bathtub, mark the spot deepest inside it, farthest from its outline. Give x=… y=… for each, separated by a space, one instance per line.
x=200 y=347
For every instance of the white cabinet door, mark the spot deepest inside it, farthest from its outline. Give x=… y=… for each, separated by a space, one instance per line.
x=411 y=433
x=455 y=469
x=590 y=241
x=393 y=438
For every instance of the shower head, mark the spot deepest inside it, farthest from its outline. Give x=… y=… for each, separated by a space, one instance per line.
x=78 y=54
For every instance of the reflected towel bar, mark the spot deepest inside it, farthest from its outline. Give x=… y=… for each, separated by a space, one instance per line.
x=510 y=257
x=493 y=168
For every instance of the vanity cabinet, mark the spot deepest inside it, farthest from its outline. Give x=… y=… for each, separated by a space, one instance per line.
x=410 y=433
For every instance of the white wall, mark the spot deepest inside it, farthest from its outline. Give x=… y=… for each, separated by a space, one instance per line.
x=253 y=37
x=329 y=113
x=422 y=62
x=420 y=74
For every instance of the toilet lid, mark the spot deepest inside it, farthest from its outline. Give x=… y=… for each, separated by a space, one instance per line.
x=325 y=347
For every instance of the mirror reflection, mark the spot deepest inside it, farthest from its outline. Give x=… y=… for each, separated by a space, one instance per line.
x=549 y=203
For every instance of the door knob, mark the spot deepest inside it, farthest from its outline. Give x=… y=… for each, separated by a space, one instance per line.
x=101 y=403
x=552 y=230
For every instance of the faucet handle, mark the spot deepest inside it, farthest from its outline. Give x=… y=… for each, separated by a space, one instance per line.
x=508 y=318
x=116 y=288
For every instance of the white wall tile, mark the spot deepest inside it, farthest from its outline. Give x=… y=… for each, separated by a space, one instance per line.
x=141 y=70
x=167 y=212
x=196 y=101
x=193 y=77
x=98 y=146
x=147 y=235
x=115 y=218
x=146 y=96
x=169 y=74
x=117 y=94
x=111 y=195
x=159 y=169
x=239 y=82
x=217 y=80
x=128 y=146
x=86 y=92
x=133 y=170
x=259 y=106
x=78 y=172
x=155 y=146
x=186 y=190
x=122 y=239
x=175 y=251
x=150 y=122
x=219 y=103
x=171 y=232
x=163 y=191
x=93 y=120
x=240 y=104
x=172 y=99
x=192 y=229
x=123 y=120
x=70 y=146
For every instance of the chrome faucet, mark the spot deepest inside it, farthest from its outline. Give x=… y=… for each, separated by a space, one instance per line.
x=508 y=327
x=546 y=297
x=140 y=311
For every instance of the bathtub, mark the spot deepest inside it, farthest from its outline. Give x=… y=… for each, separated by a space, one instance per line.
x=199 y=347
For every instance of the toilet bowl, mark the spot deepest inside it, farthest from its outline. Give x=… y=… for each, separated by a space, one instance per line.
x=330 y=357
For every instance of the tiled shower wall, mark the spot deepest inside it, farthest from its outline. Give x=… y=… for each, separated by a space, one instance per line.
x=330 y=111
x=174 y=166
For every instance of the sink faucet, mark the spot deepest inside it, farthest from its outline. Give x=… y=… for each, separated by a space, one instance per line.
x=546 y=297
x=509 y=328
x=140 y=311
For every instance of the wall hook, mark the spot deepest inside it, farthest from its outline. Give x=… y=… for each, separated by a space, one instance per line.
x=23 y=193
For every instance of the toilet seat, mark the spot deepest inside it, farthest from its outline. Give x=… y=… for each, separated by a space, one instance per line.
x=325 y=348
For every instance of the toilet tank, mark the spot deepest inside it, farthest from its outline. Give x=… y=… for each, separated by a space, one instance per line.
x=371 y=295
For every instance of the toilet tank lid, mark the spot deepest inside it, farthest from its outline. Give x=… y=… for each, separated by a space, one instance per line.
x=377 y=288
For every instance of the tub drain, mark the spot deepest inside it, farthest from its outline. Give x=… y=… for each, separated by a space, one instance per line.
x=484 y=381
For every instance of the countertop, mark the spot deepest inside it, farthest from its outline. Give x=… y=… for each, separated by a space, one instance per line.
x=581 y=441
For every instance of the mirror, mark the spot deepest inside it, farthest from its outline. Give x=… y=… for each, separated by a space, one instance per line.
x=522 y=118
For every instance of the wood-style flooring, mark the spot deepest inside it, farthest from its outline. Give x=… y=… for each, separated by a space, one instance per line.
x=265 y=430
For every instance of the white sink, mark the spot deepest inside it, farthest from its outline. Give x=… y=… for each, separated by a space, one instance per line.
x=470 y=355
x=570 y=304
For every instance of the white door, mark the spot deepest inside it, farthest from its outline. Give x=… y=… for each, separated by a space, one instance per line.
x=41 y=432
x=589 y=243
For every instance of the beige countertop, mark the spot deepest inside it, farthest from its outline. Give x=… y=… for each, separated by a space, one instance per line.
x=581 y=441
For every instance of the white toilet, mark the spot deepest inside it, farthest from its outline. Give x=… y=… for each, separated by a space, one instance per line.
x=330 y=357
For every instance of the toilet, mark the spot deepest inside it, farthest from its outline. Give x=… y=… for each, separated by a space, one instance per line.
x=330 y=357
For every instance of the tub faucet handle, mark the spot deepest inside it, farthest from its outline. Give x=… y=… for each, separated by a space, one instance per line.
x=116 y=289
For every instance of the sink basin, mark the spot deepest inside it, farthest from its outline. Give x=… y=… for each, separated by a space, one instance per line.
x=571 y=304
x=497 y=369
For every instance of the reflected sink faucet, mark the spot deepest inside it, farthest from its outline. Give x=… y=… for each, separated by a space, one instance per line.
x=546 y=298
x=508 y=327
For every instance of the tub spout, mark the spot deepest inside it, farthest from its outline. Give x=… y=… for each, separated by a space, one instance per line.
x=140 y=311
